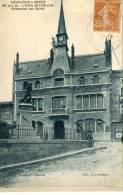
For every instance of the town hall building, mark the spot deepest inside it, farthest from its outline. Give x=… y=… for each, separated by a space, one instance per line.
x=67 y=95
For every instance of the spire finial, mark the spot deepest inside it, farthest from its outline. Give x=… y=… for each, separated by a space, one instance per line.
x=61 y=26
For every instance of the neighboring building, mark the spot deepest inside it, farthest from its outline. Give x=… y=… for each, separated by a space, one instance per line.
x=6 y=112
x=70 y=94
x=117 y=103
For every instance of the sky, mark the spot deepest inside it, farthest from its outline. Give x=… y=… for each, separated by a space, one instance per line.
x=30 y=33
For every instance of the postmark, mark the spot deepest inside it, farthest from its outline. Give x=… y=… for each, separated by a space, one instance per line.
x=107 y=15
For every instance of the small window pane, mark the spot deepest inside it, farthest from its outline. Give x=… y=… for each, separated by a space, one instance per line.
x=93 y=101
x=86 y=102
x=79 y=102
x=100 y=101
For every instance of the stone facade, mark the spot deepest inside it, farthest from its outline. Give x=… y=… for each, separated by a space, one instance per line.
x=70 y=94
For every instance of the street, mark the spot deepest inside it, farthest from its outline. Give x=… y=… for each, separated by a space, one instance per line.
x=101 y=170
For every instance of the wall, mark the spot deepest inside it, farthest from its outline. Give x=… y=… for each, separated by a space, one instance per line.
x=18 y=151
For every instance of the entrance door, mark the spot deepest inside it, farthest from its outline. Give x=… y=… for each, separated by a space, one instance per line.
x=59 y=130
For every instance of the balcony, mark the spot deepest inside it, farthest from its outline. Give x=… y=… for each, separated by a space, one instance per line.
x=59 y=112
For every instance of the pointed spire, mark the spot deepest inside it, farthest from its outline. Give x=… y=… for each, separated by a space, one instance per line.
x=62 y=26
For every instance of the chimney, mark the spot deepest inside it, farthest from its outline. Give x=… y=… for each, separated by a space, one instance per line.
x=51 y=57
x=108 y=55
x=72 y=54
x=17 y=62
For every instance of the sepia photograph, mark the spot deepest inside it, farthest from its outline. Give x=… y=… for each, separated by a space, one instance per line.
x=61 y=95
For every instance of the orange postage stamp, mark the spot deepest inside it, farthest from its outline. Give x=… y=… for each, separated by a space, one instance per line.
x=107 y=15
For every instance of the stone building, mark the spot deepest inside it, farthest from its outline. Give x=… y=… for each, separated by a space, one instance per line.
x=69 y=95
x=117 y=104
x=6 y=112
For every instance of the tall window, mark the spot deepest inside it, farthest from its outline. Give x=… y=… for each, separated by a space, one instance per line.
x=34 y=102
x=37 y=84
x=90 y=125
x=95 y=79
x=37 y=104
x=99 y=101
x=82 y=80
x=92 y=101
x=79 y=102
x=59 y=77
x=122 y=91
x=58 y=103
x=40 y=104
x=86 y=102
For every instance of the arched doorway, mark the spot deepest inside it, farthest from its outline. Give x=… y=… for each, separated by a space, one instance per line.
x=59 y=130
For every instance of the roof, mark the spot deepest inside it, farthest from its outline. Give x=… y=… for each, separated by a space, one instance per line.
x=91 y=62
x=6 y=103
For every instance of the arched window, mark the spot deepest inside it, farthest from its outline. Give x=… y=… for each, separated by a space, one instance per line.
x=100 y=126
x=96 y=79
x=90 y=125
x=82 y=80
x=59 y=77
x=37 y=84
x=25 y=84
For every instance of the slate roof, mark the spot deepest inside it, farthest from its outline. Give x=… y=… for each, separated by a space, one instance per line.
x=90 y=62
x=93 y=62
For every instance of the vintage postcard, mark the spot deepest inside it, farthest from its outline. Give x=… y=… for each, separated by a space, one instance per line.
x=61 y=95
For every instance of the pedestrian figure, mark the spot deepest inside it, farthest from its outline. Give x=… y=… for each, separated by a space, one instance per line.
x=90 y=138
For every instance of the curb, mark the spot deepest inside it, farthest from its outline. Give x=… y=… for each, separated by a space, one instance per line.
x=50 y=158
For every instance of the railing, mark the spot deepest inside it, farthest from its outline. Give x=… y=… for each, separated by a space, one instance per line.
x=59 y=111
x=6 y=116
x=45 y=134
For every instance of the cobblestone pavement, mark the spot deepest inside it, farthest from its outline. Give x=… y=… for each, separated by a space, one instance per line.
x=101 y=170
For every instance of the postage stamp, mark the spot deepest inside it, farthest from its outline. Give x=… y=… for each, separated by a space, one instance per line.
x=107 y=15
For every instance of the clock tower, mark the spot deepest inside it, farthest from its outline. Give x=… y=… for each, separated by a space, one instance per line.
x=61 y=59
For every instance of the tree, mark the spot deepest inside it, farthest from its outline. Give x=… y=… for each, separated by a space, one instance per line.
x=4 y=130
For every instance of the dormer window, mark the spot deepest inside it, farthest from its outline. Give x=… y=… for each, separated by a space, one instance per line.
x=96 y=79
x=59 y=77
